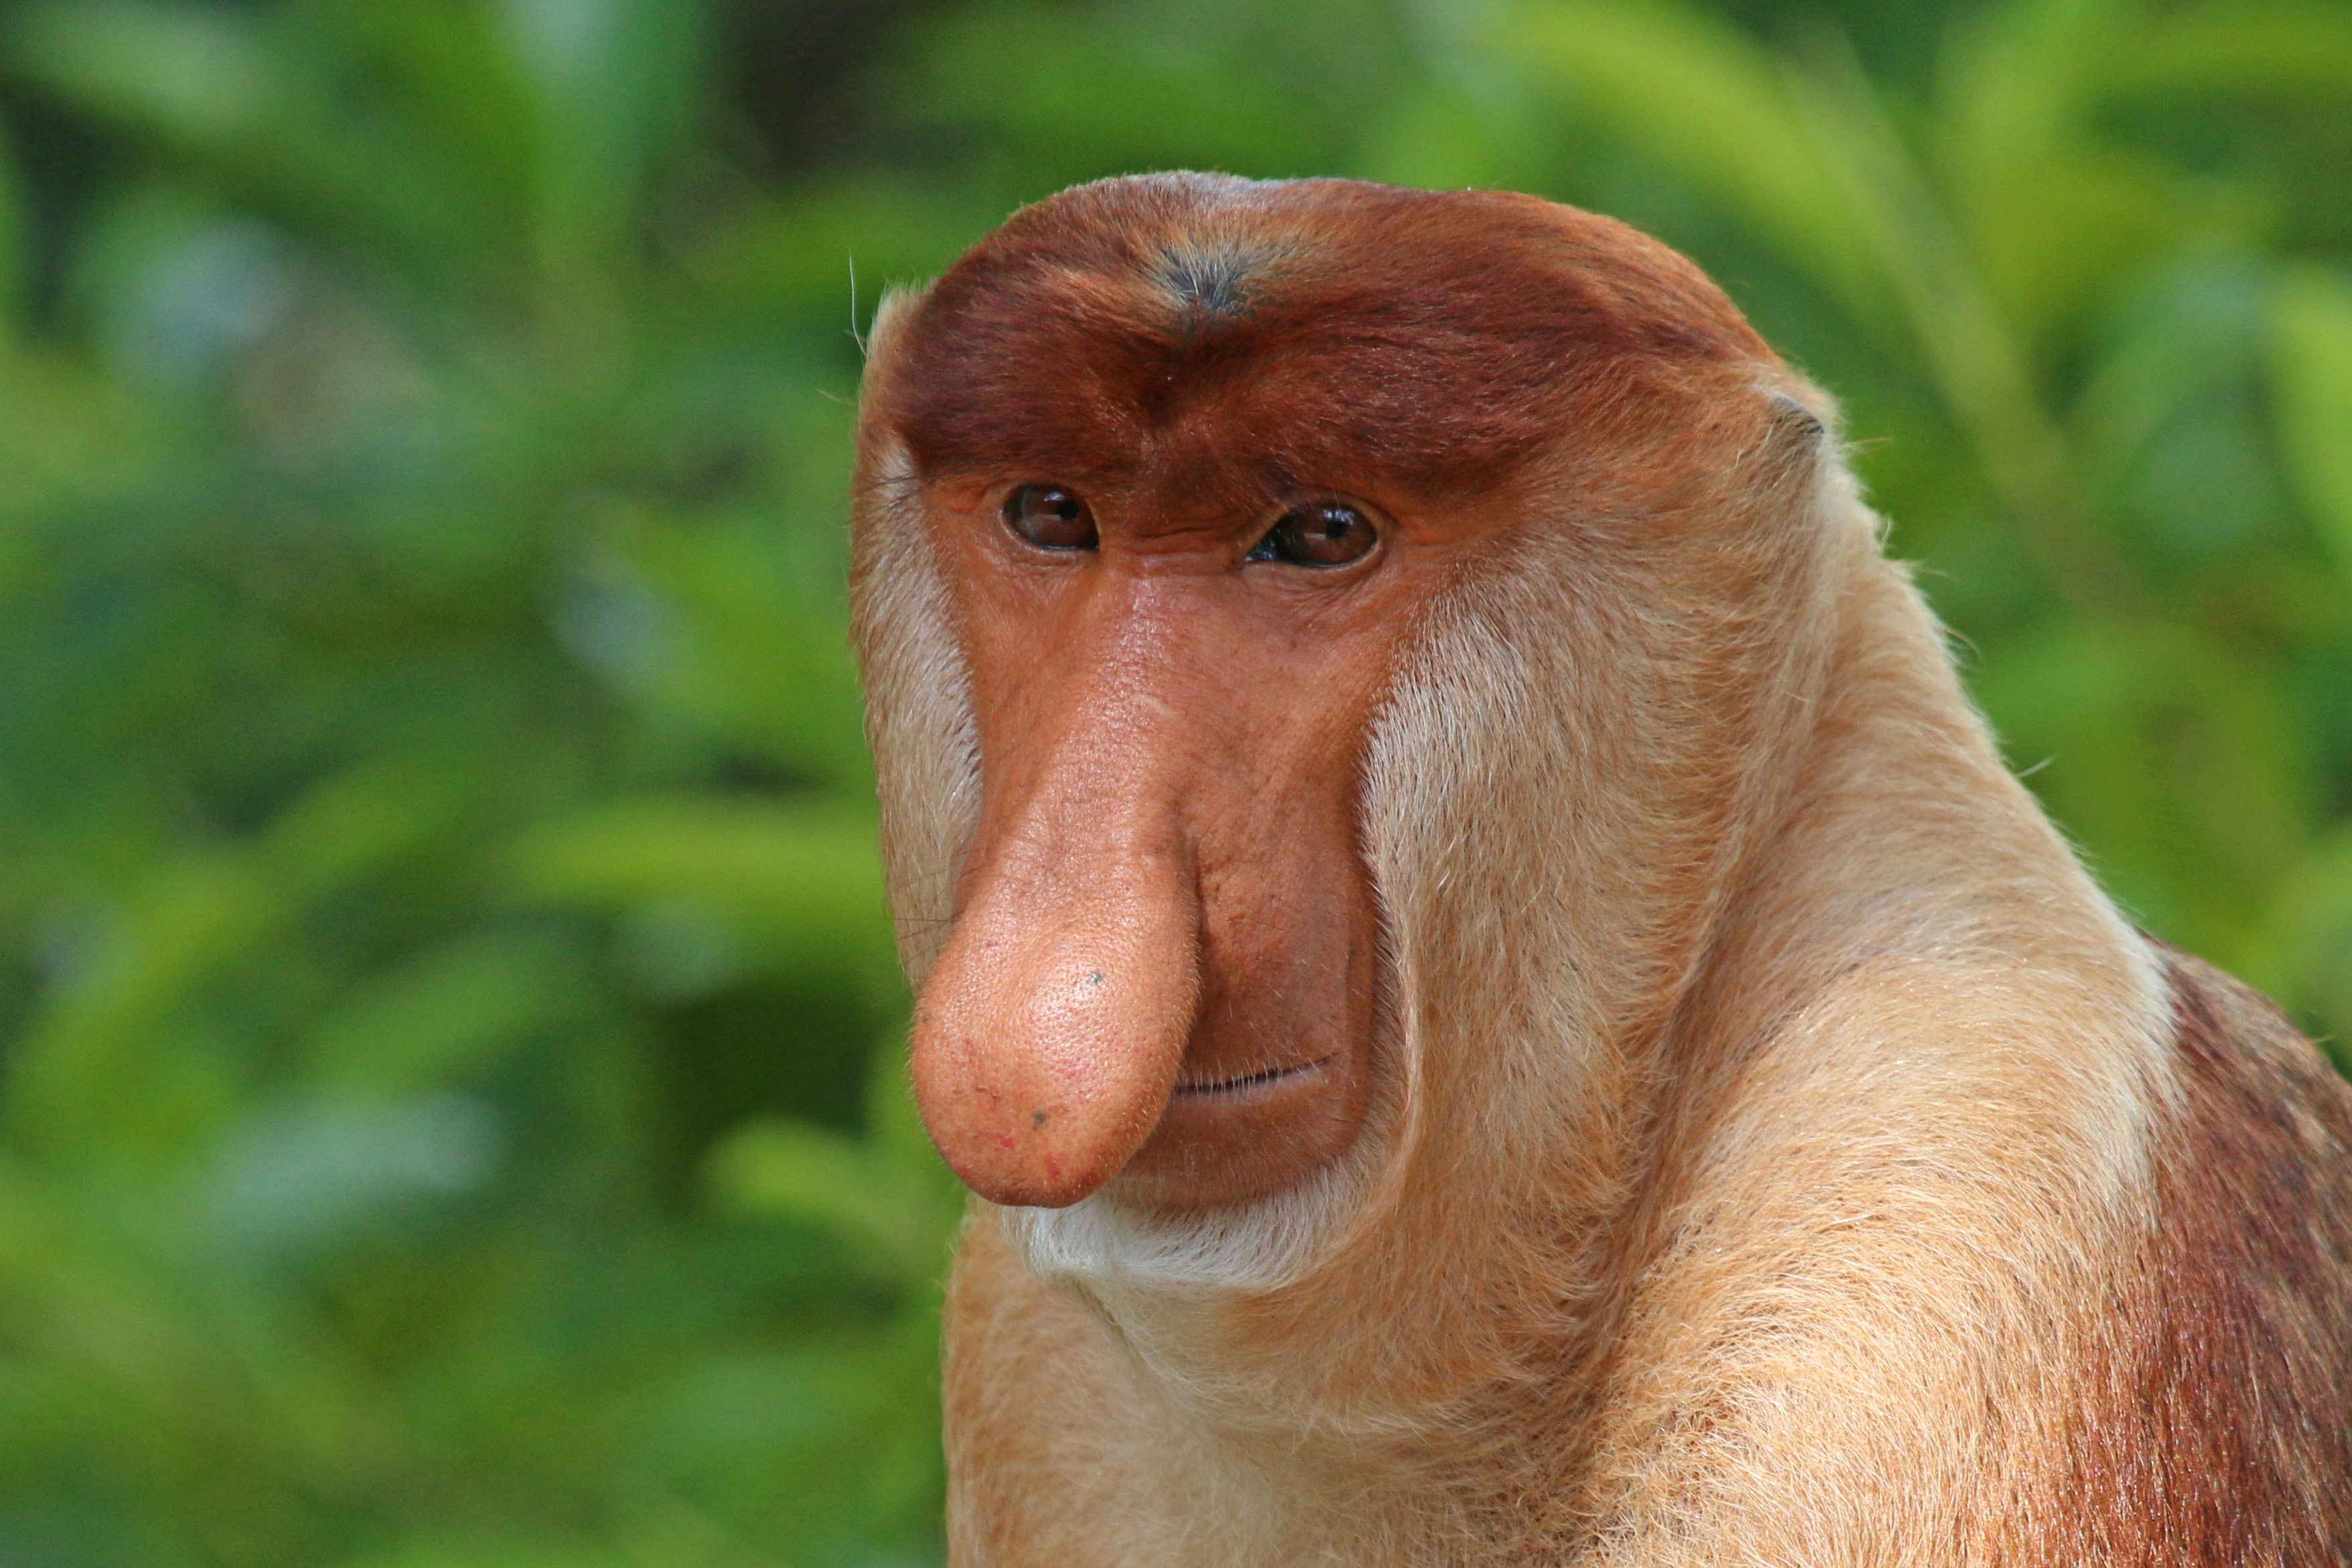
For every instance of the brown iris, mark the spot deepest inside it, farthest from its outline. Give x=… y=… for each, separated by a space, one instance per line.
x=1320 y=533
x=1051 y=517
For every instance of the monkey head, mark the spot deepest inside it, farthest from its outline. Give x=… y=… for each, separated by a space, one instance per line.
x=1169 y=488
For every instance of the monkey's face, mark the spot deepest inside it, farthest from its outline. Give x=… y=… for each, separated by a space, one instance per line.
x=1194 y=459
x=1164 y=967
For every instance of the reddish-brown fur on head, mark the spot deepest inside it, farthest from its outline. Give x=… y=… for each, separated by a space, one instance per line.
x=1215 y=340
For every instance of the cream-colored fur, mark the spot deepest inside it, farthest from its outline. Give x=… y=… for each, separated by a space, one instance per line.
x=918 y=693
x=1767 y=1090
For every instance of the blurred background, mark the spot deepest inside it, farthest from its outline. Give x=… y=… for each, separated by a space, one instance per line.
x=451 y=1114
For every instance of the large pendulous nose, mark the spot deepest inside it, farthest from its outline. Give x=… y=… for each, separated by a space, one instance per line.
x=1048 y=1038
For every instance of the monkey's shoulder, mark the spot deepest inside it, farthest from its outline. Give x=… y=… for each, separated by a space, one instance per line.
x=2218 y=1401
x=2263 y=1120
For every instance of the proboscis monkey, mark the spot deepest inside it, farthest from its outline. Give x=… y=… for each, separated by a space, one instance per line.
x=1499 y=1002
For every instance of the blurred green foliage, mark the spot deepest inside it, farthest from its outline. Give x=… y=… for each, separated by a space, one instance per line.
x=452 y=1116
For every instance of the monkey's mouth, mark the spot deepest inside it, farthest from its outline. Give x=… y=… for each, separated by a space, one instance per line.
x=1238 y=1125
x=1247 y=1082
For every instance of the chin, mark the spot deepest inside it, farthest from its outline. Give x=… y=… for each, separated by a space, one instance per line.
x=1128 y=1235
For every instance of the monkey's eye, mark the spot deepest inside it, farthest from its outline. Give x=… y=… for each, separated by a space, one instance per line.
x=1320 y=533
x=1051 y=517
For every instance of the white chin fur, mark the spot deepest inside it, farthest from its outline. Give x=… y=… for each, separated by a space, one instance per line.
x=1256 y=1246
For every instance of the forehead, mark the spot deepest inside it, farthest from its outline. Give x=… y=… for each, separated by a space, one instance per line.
x=1213 y=338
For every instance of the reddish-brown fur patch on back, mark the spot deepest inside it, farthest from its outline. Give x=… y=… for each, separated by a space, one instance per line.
x=2215 y=1422
x=1215 y=338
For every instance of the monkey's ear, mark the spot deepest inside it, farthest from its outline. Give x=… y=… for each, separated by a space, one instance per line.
x=1798 y=434
x=1801 y=421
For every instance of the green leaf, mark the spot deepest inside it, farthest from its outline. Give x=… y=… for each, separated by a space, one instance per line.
x=12 y=251
x=305 y=1175
x=196 y=73
x=2052 y=211
x=2311 y=374
x=83 y=1062
x=1699 y=97
x=840 y=1184
x=806 y=880
x=1094 y=100
x=2233 y=47
x=501 y=1554
x=2305 y=954
x=441 y=1016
